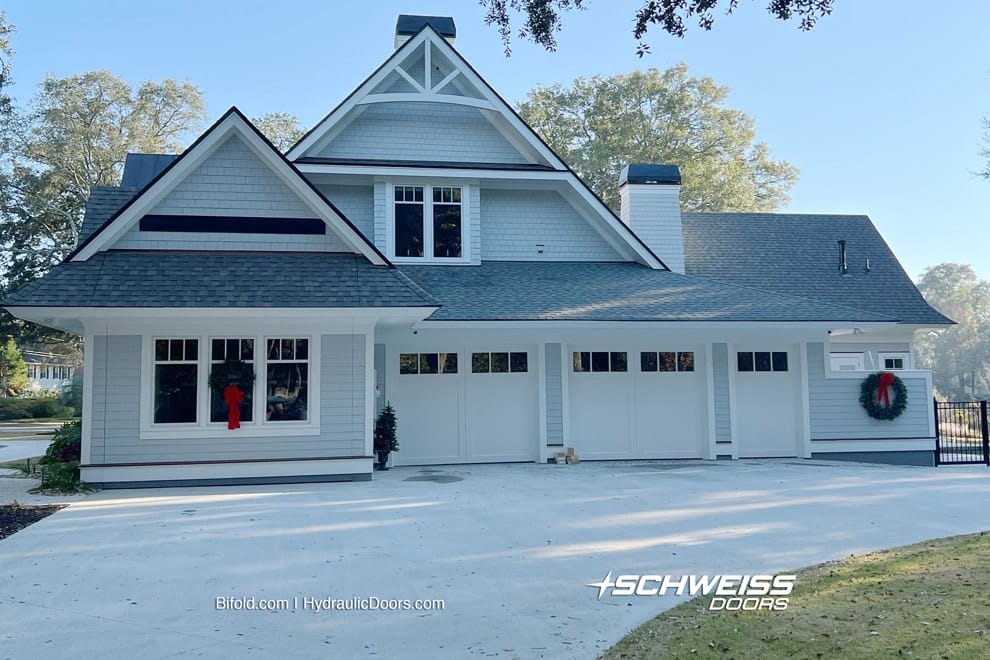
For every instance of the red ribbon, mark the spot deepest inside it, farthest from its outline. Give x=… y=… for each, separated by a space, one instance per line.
x=883 y=394
x=232 y=396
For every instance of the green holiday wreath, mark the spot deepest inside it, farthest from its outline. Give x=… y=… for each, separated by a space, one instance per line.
x=883 y=396
x=232 y=372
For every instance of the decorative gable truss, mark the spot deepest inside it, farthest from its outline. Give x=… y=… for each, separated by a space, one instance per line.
x=231 y=189
x=424 y=84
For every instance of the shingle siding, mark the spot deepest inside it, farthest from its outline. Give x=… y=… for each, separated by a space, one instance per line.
x=357 y=203
x=116 y=396
x=233 y=181
x=514 y=222
x=836 y=414
x=720 y=369
x=422 y=131
x=554 y=394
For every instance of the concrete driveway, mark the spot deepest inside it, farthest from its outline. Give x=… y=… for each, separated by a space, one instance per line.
x=509 y=548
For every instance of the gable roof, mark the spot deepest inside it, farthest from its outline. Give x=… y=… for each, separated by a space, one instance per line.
x=798 y=255
x=522 y=134
x=616 y=291
x=233 y=122
x=146 y=279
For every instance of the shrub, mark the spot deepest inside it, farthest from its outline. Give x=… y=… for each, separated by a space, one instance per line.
x=30 y=407
x=66 y=445
x=62 y=459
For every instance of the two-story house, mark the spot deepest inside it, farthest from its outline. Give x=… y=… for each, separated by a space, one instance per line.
x=422 y=246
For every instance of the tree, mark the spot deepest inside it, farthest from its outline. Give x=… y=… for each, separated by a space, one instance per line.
x=281 y=128
x=75 y=135
x=13 y=370
x=959 y=356
x=654 y=116
x=542 y=18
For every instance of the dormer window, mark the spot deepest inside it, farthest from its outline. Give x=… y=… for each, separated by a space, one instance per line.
x=428 y=223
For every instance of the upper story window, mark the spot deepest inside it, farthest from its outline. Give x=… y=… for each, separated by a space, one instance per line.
x=428 y=222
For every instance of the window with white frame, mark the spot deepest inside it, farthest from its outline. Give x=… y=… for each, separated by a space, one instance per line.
x=176 y=373
x=761 y=361
x=661 y=361
x=427 y=363
x=428 y=222
x=287 y=379
x=893 y=361
x=846 y=361
x=238 y=349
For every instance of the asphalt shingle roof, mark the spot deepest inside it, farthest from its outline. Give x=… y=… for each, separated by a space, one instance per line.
x=568 y=291
x=798 y=255
x=222 y=279
x=103 y=202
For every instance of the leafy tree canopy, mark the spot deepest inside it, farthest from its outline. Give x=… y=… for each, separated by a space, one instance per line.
x=959 y=356
x=281 y=128
x=13 y=370
x=654 y=116
x=541 y=19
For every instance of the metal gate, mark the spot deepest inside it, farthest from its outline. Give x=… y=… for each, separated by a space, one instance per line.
x=961 y=433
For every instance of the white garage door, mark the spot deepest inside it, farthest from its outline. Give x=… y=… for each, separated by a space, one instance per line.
x=466 y=406
x=638 y=404
x=768 y=402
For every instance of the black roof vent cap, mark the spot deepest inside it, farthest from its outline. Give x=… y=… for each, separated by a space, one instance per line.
x=650 y=174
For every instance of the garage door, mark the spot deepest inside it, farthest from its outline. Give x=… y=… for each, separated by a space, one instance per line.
x=638 y=404
x=465 y=406
x=768 y=402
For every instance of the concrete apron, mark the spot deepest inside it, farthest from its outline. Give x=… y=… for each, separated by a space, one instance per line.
x=510 y=548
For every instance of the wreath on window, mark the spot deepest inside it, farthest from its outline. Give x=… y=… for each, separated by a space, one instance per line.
x=232 y=372
x=883 y=396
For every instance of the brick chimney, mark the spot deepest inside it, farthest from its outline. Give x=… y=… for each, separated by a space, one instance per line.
x=407 y=25
x=650 y=197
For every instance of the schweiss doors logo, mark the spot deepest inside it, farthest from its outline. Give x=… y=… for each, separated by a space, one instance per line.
x=731 y=592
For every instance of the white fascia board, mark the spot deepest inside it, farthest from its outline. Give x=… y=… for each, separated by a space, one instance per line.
x=787 y=327
x=203 y=150
x=100 y=320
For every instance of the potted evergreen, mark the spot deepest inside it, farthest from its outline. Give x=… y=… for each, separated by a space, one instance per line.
x=385 y=437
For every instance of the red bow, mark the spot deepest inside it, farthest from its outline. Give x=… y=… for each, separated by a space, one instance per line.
x=883 y=394
x=232 y=396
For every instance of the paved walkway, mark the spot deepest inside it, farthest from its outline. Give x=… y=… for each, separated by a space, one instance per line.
x=509 y=548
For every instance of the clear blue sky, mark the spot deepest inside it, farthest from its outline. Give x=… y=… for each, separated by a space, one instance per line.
x=880 y=105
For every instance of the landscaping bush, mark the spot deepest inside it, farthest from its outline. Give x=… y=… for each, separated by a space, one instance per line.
x=30 y=407
x=62 y=459
x=72 y=395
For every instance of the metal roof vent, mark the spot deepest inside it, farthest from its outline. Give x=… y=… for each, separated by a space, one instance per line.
x=407 y=25
x=843 y=264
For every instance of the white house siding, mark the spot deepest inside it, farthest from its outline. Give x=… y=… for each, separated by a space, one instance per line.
x=554 y=396
x=514 y=222
x=381 y=205
x=116 y=436
x=422 y=131
x=836 y=414
x=720 y=373
x=116 y=383
x=357 y=203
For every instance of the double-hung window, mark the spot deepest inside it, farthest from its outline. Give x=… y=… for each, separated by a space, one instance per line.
x=428 y=222
x=176 y=378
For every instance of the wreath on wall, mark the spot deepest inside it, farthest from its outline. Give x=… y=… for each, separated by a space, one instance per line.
x=231 y=379
x=883 y=396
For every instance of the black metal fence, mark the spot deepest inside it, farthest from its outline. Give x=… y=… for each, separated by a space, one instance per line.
x=961 y=435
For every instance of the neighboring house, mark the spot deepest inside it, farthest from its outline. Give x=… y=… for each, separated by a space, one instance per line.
x=47 y=372
x=422 y=246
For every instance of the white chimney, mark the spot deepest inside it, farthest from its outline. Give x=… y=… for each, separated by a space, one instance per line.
x=408 y=25
x=650 y=197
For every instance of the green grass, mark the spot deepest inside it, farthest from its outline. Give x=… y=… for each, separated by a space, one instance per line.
x=929 y=600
